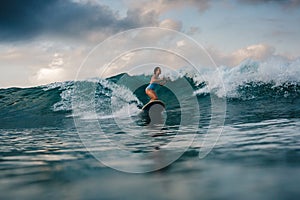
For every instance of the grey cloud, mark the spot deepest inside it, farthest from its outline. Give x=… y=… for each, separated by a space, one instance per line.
x=21 y=19
x=26 y=19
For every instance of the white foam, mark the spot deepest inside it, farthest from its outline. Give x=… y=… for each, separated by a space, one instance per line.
x=110 y=101
x=225 y=81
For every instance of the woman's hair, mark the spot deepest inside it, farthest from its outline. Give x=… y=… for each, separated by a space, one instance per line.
x=155 y=69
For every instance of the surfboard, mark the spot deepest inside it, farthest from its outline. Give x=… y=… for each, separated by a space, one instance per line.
x=151 y=103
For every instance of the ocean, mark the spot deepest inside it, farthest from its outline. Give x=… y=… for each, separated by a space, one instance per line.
x=235 y=138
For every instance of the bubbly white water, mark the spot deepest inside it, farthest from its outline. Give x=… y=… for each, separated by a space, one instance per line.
x=225 y=81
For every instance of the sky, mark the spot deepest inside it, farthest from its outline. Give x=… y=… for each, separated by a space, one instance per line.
x=47 y=41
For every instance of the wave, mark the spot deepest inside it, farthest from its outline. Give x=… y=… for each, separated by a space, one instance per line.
x=250 y=80
x=275 y=77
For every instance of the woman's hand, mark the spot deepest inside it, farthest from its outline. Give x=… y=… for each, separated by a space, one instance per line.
x=165 y=80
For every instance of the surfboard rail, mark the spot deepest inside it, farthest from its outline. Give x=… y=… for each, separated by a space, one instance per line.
x=148 y=105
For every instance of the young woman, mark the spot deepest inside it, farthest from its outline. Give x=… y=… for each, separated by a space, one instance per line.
x=155 y=83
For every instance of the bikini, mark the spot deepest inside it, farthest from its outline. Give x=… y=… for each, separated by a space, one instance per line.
x=152 y=86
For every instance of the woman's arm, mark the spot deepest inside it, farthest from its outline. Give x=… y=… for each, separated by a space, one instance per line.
x=160 y=81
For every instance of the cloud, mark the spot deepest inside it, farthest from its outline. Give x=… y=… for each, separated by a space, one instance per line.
x=39 y=62
x=161 y=6
x=193 y=30
x=257 y=52
x=52 y=73
x=49 y=75
x=21 y=20
x=171 y=24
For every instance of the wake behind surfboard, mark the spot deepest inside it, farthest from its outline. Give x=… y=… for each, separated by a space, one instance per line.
x=152 y=103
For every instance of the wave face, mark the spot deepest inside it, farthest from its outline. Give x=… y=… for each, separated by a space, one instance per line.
x=51 y=105
x=29 y=107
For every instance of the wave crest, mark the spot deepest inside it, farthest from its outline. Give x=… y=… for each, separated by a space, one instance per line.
x=252 y=79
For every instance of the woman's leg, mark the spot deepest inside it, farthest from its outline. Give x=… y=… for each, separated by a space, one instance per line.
x=151 y=94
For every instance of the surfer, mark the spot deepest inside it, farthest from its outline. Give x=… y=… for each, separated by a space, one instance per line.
x=155 y=83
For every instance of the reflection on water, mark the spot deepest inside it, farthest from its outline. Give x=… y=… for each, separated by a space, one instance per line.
x=255 y=158
x=46 y=163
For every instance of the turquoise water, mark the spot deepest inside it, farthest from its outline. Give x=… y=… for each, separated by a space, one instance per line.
x=50 y=147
